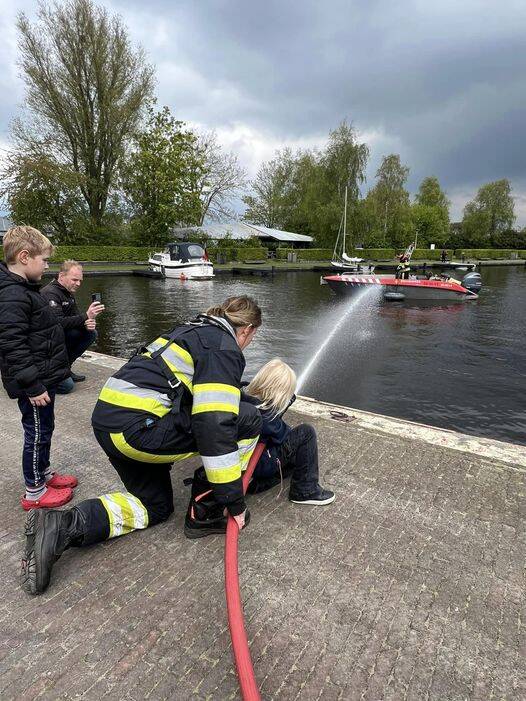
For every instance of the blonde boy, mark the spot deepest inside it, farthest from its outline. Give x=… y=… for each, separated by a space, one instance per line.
x=33 y=360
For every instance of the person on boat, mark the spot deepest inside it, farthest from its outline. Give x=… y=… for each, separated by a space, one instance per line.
x=177 y=397
x=403 y=269
x=288 y=451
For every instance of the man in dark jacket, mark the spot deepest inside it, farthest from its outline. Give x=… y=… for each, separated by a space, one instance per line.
x=33 y=361
x=79 y=328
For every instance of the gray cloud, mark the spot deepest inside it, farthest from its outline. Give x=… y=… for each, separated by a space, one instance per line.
x=444 y=86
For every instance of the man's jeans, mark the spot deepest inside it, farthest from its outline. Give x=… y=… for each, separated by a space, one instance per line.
x=77 y=341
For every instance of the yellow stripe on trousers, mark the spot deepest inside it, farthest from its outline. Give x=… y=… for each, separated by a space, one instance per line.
x=129 y=451
x=125 y=513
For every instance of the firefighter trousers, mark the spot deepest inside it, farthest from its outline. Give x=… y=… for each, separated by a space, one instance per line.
x=143 y=460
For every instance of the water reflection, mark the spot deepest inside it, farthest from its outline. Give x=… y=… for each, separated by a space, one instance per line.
x=460 y=366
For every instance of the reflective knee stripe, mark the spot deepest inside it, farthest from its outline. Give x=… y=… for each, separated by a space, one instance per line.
x=214 y=396
x=246 y=448
x=178 y=360
x=125 y=513
x=125 y=394
x=222 y=468
x=126 y=449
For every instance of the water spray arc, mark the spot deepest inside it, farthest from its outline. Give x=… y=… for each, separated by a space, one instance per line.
x=349 y=308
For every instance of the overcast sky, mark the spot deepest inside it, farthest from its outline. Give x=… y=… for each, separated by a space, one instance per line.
x=443 y=84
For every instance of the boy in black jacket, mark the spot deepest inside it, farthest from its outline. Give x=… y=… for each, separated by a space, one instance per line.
x=33 y=360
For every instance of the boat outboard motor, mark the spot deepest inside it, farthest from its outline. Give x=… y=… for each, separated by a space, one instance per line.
x=472 y=282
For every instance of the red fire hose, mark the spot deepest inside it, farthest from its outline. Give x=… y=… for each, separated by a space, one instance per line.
x=236 y=621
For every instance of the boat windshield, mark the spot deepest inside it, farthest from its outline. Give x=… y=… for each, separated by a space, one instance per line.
x=195 y=251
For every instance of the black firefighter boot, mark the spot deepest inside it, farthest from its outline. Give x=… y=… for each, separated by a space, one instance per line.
x=48 y=533
x=204 y=515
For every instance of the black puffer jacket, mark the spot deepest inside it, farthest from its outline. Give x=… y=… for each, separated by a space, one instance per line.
x=33 y=354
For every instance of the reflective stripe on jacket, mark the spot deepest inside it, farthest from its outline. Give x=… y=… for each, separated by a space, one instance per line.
x=207 y=360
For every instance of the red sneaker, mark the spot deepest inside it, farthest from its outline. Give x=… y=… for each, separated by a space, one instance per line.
x=62 y=481
x=49 y=500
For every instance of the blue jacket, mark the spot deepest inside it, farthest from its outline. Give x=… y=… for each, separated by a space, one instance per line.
x=274 y=433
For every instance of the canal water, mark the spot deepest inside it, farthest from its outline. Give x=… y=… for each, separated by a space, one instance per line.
x=461 y=366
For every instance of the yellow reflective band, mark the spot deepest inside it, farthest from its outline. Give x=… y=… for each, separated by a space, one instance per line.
x=215 y=396
x=125 y=513
x=126 y=449
x=217 y=387
x=246 y=448
x=180 y=375
x=184 y=373
x=227 y=474
x=129 y=401
x=215 y=406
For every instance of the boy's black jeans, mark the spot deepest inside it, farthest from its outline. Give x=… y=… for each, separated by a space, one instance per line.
x=300 y=454
x=38 y=423
x=299 y=459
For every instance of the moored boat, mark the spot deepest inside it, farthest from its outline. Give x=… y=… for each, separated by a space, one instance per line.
x=186 y=261
x=434 y=288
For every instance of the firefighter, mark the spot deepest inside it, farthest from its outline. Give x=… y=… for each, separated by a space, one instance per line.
x=177 y=397
x=403 y=269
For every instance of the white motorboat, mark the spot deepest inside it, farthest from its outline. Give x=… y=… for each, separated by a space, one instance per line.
x=185 y=261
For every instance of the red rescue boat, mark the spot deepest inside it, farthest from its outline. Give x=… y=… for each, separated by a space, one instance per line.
x=435 y=288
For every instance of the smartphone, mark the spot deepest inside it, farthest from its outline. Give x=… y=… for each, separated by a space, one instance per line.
x=96 y=297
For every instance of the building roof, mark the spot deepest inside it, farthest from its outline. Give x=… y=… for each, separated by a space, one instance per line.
x=5 y=224
x=241 y=230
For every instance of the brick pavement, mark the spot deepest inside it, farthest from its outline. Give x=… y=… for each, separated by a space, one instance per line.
x=410 y=586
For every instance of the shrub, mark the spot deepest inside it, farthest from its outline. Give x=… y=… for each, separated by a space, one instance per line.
x=100 y=253
x=485 y=253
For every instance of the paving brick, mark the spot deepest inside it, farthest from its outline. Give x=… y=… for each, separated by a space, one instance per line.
x=410 y=586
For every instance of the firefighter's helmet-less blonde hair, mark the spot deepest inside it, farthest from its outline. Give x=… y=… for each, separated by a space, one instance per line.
x=25 y=238
x=274 y=384
x=239 y=311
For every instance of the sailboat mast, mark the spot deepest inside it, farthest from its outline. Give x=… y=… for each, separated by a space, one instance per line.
x=345 y=222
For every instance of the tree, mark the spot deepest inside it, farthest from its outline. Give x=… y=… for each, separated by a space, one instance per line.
x=490 y=214
x=160 y=178
x=431 y=194
x=429 y=225
x=270 y=204
x=430 y=213
x=304 y=192
x=389 y=203
x=85 y=89
x=47 y=195
x=220 y=180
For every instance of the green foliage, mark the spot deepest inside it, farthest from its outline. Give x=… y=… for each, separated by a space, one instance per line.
x=428 y=254
x=431 y=194
x=304 y=192
x=160 y=179
x=235 y=253
x=387 y=205
x=430 y=224
x=490 y=214
x=101 y=253
x=321 y=254
x=85 y=90
x=484 y=253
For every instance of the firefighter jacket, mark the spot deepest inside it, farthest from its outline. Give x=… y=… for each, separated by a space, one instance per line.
x=194 y=373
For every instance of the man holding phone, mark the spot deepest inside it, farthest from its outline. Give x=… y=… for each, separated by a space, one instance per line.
x=79 y=328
